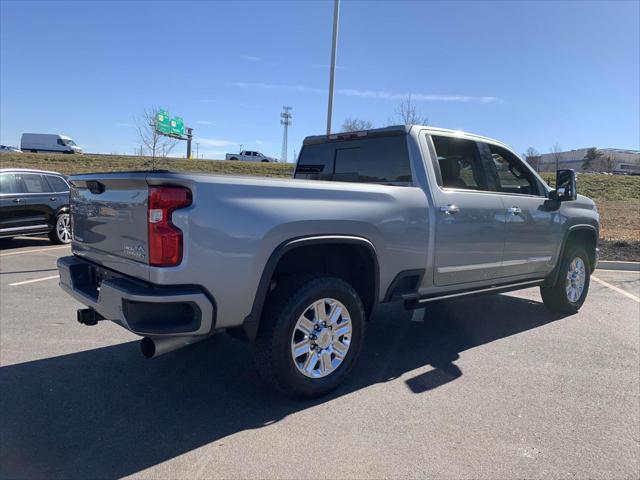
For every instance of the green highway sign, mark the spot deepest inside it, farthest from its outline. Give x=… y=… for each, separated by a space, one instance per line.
x=177 y=126
x=163 y=122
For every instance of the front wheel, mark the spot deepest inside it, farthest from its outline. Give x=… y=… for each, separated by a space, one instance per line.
x=569 y=292
x=310 y=336
x=61 y=232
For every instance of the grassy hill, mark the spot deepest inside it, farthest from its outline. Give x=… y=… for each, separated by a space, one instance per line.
x=618 y=197
x=69 y=164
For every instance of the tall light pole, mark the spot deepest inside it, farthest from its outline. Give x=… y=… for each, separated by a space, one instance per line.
x=285 y=119
x=332 y=75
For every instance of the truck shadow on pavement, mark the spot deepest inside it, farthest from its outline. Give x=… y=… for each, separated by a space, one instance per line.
x=109 y=413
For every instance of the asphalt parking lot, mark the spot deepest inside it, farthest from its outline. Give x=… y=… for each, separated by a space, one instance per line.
x=487 y=387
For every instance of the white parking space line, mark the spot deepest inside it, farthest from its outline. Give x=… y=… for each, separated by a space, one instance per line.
x=16 y=284
x=616 y=289
x=24 y=252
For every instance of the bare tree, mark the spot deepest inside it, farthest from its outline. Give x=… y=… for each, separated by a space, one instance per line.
x=355 y=124
x=150 y=141
x=556 y=152
x=408 y=114
x=533 y=158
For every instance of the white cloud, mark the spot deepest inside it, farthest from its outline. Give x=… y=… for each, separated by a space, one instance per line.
x=223 y=102
x=213 y=142
x=203 y=122
x=273 y=86
x=326 y=65
x=254 y=59
x=379 y=94
x=350 y=92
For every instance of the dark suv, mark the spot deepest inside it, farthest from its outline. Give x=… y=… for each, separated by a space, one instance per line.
x=34 y=202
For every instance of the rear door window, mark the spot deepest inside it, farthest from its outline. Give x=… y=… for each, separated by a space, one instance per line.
x=8 y=183
x=34 y=183
x=382 y=160
x=460 y=163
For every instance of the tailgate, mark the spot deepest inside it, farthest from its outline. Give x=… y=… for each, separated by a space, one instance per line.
x=109 y=215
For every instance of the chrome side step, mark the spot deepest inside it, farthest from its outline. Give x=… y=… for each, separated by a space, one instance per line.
x=414 y=301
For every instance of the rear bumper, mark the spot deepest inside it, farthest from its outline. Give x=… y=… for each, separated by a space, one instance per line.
x=140 y=307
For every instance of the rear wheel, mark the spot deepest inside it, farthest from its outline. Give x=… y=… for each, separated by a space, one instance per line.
x=61 y=232
x=233 y=158
x=570 y=290
x=310 y=336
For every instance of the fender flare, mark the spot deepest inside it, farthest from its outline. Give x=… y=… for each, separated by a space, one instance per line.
x=553 y=276
x=251 y=322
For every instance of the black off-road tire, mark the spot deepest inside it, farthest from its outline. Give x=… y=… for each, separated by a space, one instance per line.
x=272 y=347
x=555 y=296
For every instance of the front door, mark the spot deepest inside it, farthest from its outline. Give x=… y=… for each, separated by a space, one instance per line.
x=470 y=220
x=533 y=231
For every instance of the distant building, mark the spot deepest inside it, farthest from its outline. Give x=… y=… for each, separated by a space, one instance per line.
x=614 y=160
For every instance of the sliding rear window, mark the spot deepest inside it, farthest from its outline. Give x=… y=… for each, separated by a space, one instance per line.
x=382 y=160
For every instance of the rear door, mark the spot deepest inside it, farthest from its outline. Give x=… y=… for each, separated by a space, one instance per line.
x=37 y=209
x=470 y=220
x=533 y=231
x=59 y=197
x=12 y=204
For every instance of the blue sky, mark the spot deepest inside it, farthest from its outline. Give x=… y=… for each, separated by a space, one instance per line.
x=527 y=73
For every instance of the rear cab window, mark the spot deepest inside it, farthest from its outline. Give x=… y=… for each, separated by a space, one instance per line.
x=377 y=159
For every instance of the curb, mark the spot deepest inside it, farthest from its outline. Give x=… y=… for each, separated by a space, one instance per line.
x=624 y=266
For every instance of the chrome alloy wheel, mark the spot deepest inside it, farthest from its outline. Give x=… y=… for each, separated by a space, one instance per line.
x=576 y=276
x=63 y=228
x=321 y=338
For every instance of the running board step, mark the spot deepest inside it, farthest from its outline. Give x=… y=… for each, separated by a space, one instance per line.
x=413 y=300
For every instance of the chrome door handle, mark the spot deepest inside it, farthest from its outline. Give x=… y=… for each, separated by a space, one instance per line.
x=16 y=200
x=449 y=209
x=53 y=199
x=514 y=210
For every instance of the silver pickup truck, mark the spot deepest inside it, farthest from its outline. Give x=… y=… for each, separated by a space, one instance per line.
x=405 y=214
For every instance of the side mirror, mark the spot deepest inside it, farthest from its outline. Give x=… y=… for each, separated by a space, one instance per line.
x=565 y=186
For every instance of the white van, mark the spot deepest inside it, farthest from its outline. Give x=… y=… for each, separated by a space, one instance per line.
x=48 y=142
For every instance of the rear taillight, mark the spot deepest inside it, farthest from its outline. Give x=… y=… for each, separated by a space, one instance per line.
x=165 y=239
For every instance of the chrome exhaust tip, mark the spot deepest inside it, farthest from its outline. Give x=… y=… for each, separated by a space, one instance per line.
x=152 y=347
